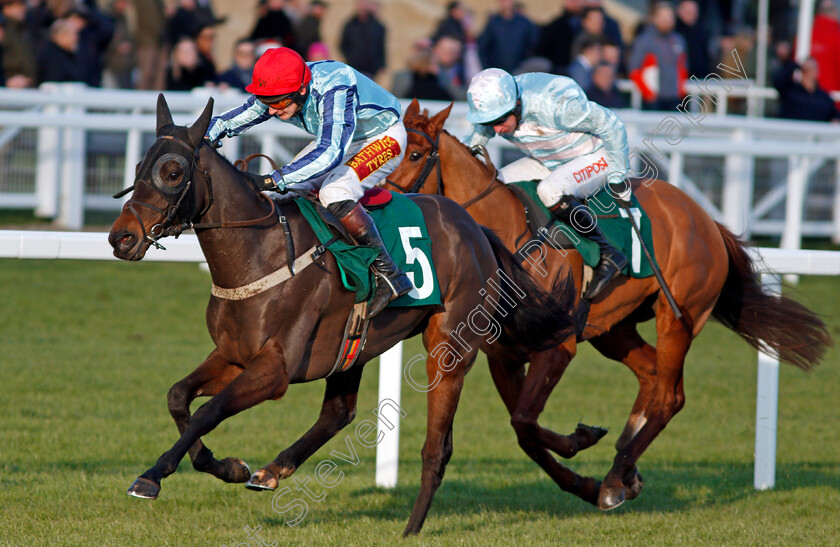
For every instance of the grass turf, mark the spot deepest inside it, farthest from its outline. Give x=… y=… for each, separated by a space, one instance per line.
x=88 y=351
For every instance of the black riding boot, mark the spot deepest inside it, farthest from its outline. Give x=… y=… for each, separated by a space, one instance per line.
x=391 y=282
x=612 y=260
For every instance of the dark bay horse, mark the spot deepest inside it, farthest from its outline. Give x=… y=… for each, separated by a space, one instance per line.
x=706 y=267
x=291 y=331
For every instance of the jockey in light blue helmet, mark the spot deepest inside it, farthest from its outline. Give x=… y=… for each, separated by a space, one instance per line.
x=573 y=146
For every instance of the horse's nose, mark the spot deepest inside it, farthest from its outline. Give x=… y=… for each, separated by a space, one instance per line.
x=122 y=242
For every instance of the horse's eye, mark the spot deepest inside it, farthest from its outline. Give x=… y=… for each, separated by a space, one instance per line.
x=414 y=156
x=174 y=176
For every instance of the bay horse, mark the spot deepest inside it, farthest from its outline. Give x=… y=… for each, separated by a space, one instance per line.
x=706 y=267
x=291 y=331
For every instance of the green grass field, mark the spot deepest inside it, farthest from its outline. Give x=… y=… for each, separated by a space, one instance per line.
x=88 y=351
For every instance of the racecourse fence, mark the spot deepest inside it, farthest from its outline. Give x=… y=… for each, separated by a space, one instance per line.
x=65 y=149
x=773 y=263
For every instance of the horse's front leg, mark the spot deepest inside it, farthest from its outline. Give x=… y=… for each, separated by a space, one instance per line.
x=337 y=410
x=208 y=379
x=264 y=377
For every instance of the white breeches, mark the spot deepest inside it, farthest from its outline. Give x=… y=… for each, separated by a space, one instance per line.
x=581 y=177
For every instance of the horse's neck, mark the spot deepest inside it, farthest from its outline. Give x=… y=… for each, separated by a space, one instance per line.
x=465 y=178
x=237 y=256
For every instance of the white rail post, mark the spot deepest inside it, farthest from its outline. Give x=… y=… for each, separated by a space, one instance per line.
x=132 y=156
x=766 y=406
x=71 y=212
x=49 y=158
x=797 y=185
x=738 y=187
x=388 y=450
x=835 y=237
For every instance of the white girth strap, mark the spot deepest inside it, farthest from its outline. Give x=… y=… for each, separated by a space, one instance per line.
x=271 y=280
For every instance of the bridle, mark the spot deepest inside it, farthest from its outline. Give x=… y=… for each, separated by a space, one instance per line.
x=176 y=197
x=433 y=162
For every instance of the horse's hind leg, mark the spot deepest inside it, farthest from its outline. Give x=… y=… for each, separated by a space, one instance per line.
x=623 y=343
x=543 y=374
x=337 y=410
x=209 y=378
x=666 y=399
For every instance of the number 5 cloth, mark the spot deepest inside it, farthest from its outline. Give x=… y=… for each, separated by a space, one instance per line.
x=403 y=230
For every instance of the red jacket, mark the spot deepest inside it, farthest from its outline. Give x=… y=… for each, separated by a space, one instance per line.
x=825 y=49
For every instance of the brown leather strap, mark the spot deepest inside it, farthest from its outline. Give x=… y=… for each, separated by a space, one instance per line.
x=242 y=164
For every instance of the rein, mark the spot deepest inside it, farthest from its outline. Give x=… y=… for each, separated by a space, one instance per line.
x=432 y=162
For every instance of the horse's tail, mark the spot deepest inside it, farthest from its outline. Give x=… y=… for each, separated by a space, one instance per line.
x=530 y=316
x=767 y=322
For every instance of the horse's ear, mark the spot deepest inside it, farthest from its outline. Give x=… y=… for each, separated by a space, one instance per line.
x=412 y=110
x=439 y=118
x=164 y=117
x=199 y=128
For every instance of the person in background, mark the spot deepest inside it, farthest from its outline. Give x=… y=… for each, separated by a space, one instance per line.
x=825 y=44
x=800 y=94
x=241 y=69
x=555 y=42
x=204 y=41
x=19 y=62
x=358 y=141
x=603 y=89
x=591 y=28
x=453 y=23
x=187 y=21
x=611 y=29
x=363 y=40
x=57 y=60
x=695 y=36
x=184 y=71
x=658 y=60
x=120 y=61
x=580 y=70
x=273 y=23
x=150 y=43
x=308 y=29
x=319 y=51
x=95 y=32
x=508 y=38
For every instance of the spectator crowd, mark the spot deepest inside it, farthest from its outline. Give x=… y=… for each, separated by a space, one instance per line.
x=150 y=44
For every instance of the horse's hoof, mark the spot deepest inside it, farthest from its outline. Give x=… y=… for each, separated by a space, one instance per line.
x=144 y=488
x=610 y=498
x=590 y=434
x=634 y=485
x=262 y=480
x=236 y=470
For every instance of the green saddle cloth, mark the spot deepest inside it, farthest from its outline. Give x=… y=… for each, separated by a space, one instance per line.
x=615 y=225
x=403 y=229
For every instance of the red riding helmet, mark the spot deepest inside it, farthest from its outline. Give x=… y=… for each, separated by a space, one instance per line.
x=279 y=71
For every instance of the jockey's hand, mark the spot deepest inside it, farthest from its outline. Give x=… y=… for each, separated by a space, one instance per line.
x=216 y=143
x=621 y=193
x=264 y=182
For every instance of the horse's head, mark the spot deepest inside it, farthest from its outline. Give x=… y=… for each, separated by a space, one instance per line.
x=431 y=153
x=422 y=152
x=164 y=191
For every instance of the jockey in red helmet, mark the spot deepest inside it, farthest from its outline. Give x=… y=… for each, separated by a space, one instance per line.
x=359 y=140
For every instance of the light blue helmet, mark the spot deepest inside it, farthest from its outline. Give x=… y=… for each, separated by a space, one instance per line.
x=491 y=95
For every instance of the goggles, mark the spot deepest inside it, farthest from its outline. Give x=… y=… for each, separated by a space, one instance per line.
x=279 y=102
x=498 y=121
